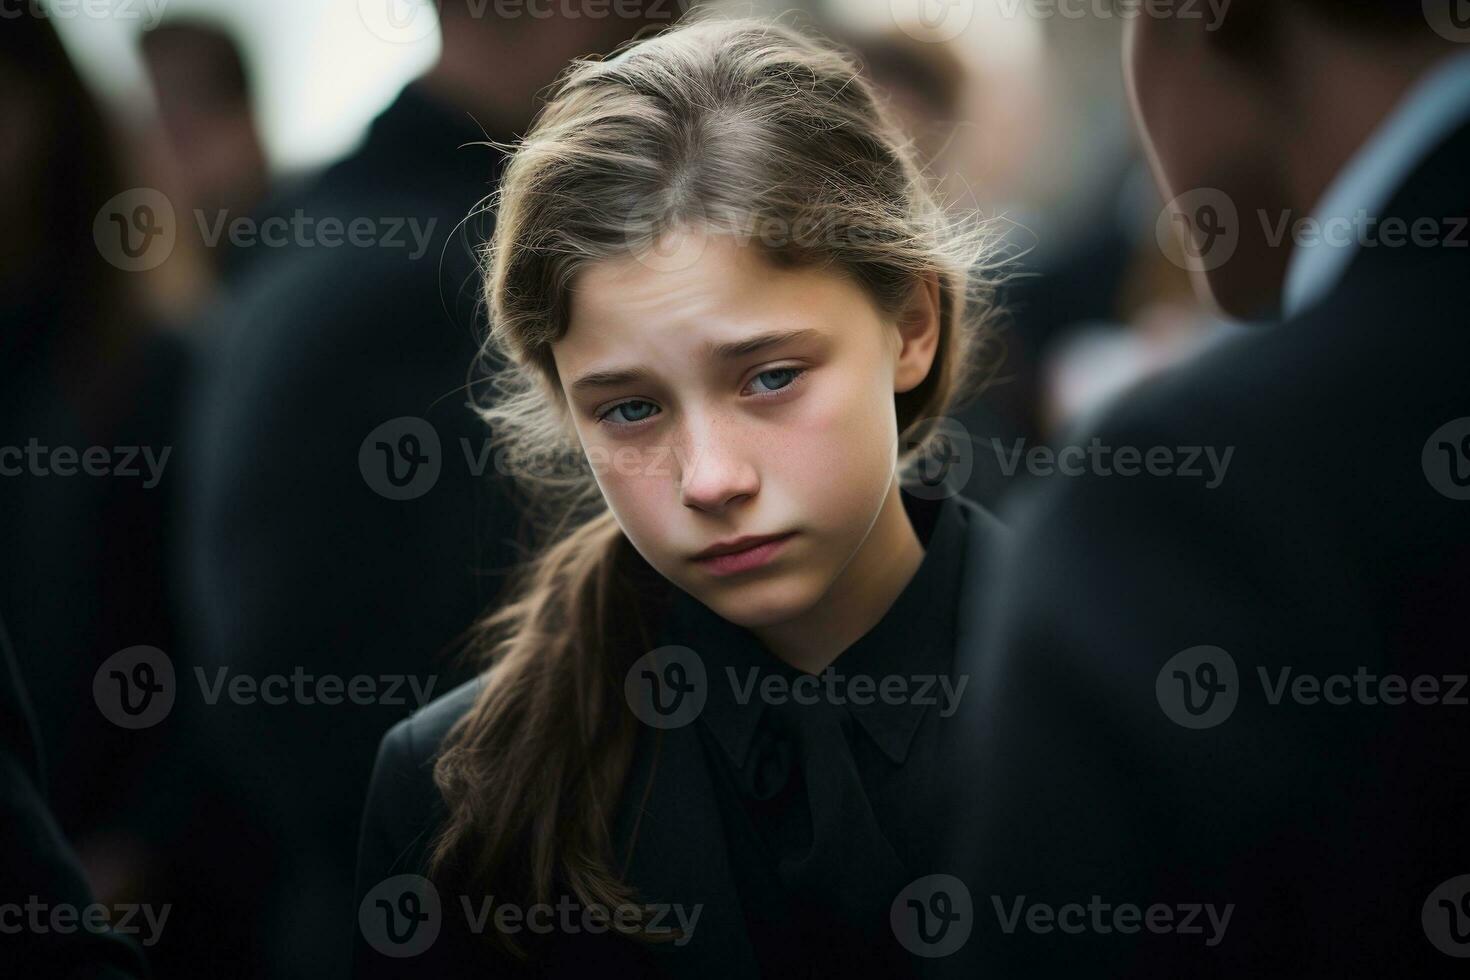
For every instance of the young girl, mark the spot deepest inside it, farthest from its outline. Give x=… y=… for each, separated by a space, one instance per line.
x=707 y=729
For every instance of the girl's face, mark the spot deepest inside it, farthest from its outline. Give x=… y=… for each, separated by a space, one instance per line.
x=720 y=397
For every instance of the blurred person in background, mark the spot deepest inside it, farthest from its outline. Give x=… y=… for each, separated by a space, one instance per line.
x=39 y=874
x=978 y=115
x=1119 y=333
x=1093 y=304
x=337 y=378
x=204 y=96
x=1231 y=700
x=89 y=414
x=1015 y=127
x=924 y=82
x=1090 y=222
x=1101 y=306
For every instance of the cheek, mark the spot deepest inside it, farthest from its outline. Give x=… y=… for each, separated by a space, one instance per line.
x=838 y=452
x=640 y=485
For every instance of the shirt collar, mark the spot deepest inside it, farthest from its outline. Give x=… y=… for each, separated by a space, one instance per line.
x=914 y=639
x=1436 y=105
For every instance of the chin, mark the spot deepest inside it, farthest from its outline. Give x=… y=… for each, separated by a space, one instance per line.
x=759 y=603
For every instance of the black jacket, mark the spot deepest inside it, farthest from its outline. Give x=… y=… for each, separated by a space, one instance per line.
x=38 y=866
x=680 y=856
x=1337 y=545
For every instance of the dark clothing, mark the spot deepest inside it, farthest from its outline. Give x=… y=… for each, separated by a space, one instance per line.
x=1043 y=292
x=835 y=840
x=89 y=453
x=39 y=874
x=1324 y=816
x=817 y=798
x=302 y=560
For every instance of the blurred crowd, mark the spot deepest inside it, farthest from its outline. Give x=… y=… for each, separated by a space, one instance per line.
x=203 y=353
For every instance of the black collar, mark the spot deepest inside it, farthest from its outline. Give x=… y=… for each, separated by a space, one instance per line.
x=1437 y=189
x=914 y=641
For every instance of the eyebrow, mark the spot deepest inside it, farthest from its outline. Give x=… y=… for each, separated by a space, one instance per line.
x=724 y=352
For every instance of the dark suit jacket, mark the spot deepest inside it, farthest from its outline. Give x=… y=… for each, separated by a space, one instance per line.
x=1326 y=550
x=679 y=857
x=37 y=864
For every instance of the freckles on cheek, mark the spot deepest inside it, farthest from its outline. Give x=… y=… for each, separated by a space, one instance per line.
x=835 y=431
x=640 y=491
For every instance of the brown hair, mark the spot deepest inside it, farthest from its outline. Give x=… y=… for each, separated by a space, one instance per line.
x=731 y=125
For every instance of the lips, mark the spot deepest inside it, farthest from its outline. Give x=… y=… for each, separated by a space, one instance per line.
x=749 y=554
x=737 y=545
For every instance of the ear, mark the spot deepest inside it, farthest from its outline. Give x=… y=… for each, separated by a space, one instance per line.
x=918 y=334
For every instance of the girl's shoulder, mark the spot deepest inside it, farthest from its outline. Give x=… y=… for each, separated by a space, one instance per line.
x=404 y=807
x=417 y=738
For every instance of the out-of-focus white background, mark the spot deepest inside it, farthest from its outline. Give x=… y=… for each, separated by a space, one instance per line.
x=321 y=72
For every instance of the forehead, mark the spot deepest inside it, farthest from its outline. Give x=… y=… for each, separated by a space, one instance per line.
x=698 y=289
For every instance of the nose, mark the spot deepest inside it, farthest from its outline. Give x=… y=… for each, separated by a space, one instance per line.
x=716 y=470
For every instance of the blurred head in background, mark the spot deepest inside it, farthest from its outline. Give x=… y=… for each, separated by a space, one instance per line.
x=58 y=166
x=975 y=106
x=923 y=81
x=495 y=65
x=1261 y=106
x=205 y=105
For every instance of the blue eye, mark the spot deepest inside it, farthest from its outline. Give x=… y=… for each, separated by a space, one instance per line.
x=783 y=377
x=638 y=409
x=630 y=413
